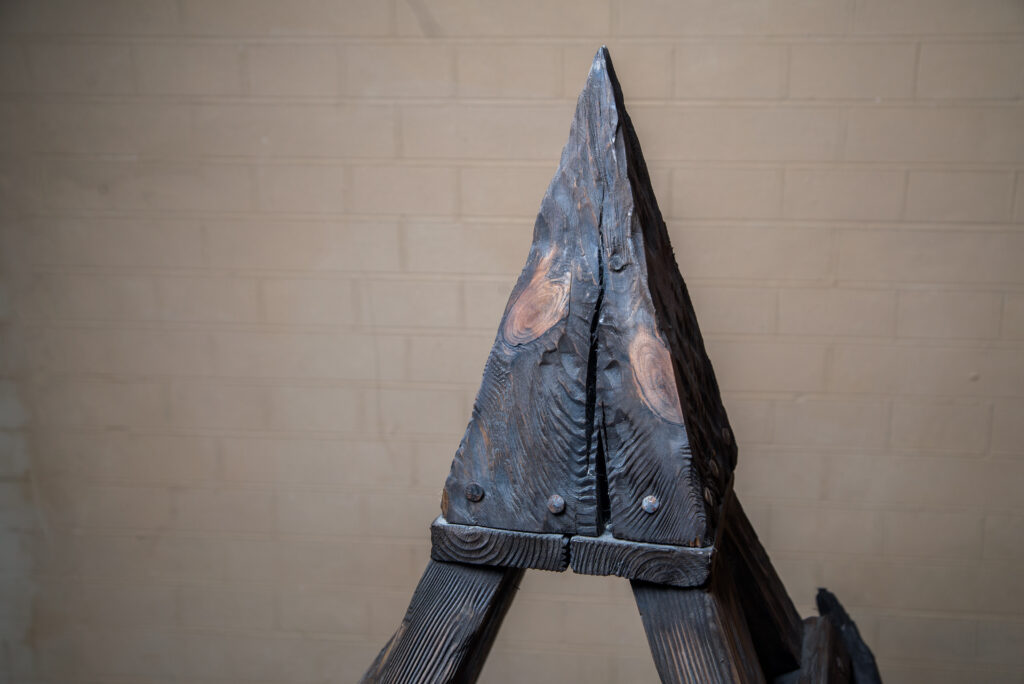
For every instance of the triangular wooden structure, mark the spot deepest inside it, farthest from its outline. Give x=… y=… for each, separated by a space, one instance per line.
x=598 y=441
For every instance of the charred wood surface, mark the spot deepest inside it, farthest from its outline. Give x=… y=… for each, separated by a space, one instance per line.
x=662 y=425
x=501 y=548
x=678 y=566
x=697 y=634
x=598 y=439
x=598 y=396
x=450 y=626
x=771 y=616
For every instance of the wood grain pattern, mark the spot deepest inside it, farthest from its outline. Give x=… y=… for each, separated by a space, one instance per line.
x=654 y=376
x=772 y=618
x=824 y=660
x=697 y=635
x=598 y=439
x=539 y=306
x=450 y=626
x=663 y=426
x=531 y=434
x=678 y=566
x=598 y=388
x=500 y=548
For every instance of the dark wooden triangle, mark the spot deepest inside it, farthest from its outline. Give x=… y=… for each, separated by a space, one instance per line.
x=598 y=439
x=598 y=393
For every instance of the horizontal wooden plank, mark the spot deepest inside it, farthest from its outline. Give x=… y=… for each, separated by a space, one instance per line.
x=499 y=548
x=679 y=566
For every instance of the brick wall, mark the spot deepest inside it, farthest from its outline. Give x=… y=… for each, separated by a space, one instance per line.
x=254 y=255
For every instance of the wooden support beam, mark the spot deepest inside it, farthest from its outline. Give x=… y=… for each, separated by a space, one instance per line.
x=697 y=634
x=450 y=626
x=824 y=659
x=773 y=620
x=679 y=566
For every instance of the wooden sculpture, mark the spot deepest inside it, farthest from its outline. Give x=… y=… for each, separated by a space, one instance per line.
x=598 y=441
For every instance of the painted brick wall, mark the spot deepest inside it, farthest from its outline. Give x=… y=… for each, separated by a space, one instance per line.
x=254 y=254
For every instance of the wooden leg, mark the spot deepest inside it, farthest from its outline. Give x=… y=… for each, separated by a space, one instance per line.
x=697 y=635
x=772 y=619
x=824 y=659
x=451 y=623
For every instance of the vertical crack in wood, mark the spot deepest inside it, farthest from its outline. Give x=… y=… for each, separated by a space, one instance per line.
x=598 y=391
x=598 y=472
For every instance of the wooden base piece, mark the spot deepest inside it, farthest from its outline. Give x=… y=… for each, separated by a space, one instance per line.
x=448 y=630
x=500 y=548
x=679 y=566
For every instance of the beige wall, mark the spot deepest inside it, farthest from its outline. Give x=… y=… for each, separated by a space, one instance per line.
x=255 y=253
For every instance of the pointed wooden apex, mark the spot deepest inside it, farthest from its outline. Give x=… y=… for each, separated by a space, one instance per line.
x=599 y=412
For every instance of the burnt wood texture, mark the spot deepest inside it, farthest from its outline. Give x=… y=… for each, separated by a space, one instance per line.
x=502 y=548
x=698 y=634
x=598 y=441
x=450 y=626
x=605 y=555
x=770 y=613
x=598 y=409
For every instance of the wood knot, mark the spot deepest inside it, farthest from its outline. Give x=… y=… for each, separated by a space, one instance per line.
x=618 y=261
x=654 y=376
x=542 y=303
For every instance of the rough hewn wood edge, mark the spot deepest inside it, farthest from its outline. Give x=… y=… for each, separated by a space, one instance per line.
x=499 y=548
x=678 y=566
x=824 y=660
x=773 y=620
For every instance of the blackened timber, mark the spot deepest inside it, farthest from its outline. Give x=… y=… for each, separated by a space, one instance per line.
x=500 y=548
x=531 y=434
x=597 y=395
x=450 y=626
x=697 y=634
x=771 y=616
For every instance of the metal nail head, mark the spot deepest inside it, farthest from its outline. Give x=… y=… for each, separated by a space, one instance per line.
x=474 y=492
x=650 y=504
x=556 y=504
